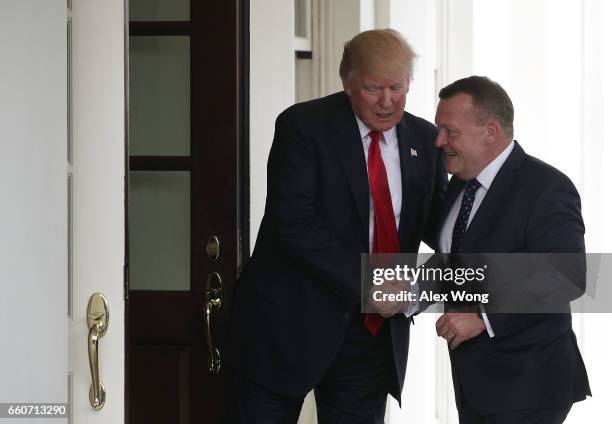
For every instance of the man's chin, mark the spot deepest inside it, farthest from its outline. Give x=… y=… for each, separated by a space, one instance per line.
x=384 y=126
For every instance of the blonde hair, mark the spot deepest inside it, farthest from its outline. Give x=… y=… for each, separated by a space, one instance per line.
x=374 y=48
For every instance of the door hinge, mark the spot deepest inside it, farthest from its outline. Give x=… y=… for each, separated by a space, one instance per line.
x=126 y=282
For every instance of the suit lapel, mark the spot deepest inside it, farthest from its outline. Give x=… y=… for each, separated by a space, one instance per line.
x=408 y=147
x=349 y=147
x=490 y=204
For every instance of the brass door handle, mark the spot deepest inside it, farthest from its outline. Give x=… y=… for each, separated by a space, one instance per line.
x=212 y=300
x=97 y=322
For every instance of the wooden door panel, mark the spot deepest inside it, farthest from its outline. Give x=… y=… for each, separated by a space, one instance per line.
x=168 y=376
x=167 y=371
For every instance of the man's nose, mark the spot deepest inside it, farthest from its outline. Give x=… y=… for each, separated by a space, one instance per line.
x=385 y=100
x=440 y=139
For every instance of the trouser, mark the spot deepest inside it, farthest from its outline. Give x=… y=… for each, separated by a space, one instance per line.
x=353 y=390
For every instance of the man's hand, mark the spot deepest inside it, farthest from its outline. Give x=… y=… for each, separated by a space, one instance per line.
x=457 y=327
x=388 y=308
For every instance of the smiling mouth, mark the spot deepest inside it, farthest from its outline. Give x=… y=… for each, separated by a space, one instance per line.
x=451 y=154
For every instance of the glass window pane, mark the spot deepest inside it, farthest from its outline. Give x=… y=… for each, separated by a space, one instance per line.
x=159 y=10
x=159 y=96
x=159 y=230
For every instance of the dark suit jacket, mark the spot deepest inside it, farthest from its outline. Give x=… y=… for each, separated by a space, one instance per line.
x=302 y=285
x=533 y=361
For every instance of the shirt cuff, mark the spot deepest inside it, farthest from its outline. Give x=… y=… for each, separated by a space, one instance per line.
x=413 y=308
x=483 y=314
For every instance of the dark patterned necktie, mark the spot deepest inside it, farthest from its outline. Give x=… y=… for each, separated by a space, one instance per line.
x=464 y=214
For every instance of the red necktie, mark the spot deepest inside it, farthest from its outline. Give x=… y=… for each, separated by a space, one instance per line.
x=384 y=238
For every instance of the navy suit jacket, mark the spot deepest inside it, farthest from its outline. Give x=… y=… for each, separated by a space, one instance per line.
x=302 y=285
x=533 y=361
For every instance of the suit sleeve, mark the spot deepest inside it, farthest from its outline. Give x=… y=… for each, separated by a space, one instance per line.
x=554 y=226
x=300 y=230
x=439 y=193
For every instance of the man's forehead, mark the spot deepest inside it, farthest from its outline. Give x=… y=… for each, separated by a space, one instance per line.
x=383 y=74
x=449 y=110
x=456 y=105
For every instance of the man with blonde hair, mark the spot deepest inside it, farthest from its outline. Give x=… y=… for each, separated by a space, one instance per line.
x=347 y=173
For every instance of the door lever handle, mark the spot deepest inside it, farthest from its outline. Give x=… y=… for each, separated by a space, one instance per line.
x=212 y=300
x=97 y=322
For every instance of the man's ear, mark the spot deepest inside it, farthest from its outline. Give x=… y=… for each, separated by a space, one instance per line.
x=347 y=88
x=493 y=130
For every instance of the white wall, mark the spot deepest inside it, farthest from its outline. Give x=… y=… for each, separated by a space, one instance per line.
x=416 y=20
x=33 y=244
x=455 y=35
x=272 y=77
x=338 y=22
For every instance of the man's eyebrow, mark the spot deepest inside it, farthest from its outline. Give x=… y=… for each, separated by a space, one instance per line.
x=447 y=128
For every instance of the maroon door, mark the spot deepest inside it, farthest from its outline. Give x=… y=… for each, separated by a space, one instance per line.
x=186 y=132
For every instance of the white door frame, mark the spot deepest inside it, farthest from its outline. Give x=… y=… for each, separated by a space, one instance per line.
x=98 y=170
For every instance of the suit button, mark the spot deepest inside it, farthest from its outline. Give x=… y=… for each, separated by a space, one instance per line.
x=346 y=317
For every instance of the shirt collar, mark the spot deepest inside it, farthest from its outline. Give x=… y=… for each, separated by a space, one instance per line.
x=389 y=136
x=486 y=176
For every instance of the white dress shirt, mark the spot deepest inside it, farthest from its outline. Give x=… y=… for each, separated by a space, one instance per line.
x=485 y=178
x=389 y=150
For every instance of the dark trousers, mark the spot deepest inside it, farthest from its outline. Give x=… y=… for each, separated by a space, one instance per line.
x=353 y=390
x=531 y=416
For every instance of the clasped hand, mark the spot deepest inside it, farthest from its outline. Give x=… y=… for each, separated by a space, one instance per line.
x=389 y=289
x=458 y=327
